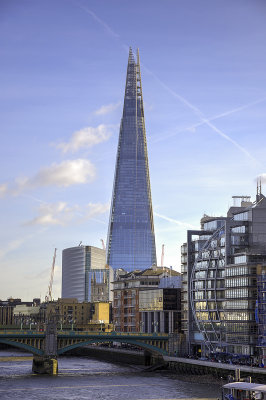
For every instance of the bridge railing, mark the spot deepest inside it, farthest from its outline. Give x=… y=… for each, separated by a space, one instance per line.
x=19 y=333
x=108 y=334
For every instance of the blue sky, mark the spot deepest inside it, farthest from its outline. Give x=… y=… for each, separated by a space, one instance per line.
x=62 y=77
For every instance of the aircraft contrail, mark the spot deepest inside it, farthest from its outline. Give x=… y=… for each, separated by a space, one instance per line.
x=195 y=109
x=215 y=117
x=201 y=116
x=175 y=221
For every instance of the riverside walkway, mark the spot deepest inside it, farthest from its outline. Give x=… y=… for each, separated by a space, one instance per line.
x=217 y=368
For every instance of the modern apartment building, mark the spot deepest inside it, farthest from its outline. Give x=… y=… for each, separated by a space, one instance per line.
x=131 y=239
x=223 y=268
x=160 y=310
x=85 y=275
x=144 y=302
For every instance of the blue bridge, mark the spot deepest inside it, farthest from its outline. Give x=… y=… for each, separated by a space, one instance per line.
x=35 y=342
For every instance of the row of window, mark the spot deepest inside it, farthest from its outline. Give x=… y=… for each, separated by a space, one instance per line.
x=239 y=316
x=235 y=282
x=244 y=216
x=237 y=304
x=236 y=271
x=210 y=294
x=236 y=293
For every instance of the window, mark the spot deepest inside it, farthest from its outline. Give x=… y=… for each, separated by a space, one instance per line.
x=239 y=229
x=236 y=293
x=244 y=216
x=236 y=271
x=235 y=282
x=240 y=259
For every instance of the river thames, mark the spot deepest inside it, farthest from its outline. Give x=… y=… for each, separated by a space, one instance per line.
x=85 y=378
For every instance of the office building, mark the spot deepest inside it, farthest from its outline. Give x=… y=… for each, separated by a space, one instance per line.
x=14 y=311
x=223 y=294
x=85 y=275
x=131 y=240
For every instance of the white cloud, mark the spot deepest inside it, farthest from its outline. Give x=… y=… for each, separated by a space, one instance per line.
x=107 y=108
x=61 y=213
x=64 y=174
x=53 y=214
x=94 y=209
x=9 y=247
x=3 y=189
x=67 y=173
x=86 y=138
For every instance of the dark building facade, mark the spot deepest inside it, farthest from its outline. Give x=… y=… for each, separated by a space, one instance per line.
x=131 y=239
x=224 y=283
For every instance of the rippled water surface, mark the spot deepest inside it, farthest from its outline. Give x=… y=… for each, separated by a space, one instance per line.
x=84 y=378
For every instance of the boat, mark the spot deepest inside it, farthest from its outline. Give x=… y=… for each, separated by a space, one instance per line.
x=243 y=391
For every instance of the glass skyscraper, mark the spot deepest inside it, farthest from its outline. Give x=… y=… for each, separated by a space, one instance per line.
x=131 y=240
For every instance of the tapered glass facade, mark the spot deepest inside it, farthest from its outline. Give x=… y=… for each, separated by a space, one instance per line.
x=131 y=241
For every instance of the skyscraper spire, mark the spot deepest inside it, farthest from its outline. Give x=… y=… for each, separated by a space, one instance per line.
x=131 y=240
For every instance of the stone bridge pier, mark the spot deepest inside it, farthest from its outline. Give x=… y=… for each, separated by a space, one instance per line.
x=47 y=363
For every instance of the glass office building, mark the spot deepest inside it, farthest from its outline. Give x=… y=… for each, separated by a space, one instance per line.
x=223 y=284
x=85 y=275
x=131 y=240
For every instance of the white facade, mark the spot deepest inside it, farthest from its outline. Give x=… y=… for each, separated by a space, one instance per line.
x=81 y=267
x=73 y=273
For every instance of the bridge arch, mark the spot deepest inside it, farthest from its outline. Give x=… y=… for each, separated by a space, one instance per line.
x=143 y=345
x=23 y=346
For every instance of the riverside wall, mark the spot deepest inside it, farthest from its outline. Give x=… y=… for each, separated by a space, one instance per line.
x=218 y=370
x=182 y=366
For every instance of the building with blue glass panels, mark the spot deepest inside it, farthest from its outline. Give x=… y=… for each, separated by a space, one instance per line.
x=131 y=239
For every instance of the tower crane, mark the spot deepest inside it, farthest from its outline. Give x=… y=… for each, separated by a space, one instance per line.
x=50 y=286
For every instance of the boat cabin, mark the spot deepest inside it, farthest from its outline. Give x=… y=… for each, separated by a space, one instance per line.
x=243 y=391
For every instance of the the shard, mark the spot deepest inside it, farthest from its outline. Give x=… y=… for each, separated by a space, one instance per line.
x=131 y=240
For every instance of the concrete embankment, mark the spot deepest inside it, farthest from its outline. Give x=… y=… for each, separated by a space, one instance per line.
x=182 y=366
x=219 y=370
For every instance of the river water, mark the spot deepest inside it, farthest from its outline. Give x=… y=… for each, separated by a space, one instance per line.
x=85 y=378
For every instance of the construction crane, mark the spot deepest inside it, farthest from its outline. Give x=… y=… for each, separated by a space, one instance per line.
x=162 y=256
x=50 y=287
x=103 y=244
